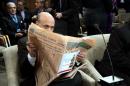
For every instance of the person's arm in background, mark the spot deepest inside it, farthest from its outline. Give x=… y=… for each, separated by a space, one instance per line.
x=70 y=8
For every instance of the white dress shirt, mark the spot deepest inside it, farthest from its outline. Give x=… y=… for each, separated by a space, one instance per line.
x=31 y=60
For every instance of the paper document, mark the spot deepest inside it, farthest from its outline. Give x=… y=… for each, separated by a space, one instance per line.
x=67 y=62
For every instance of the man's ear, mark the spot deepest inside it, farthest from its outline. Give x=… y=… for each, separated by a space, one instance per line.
x=34 y=19
x=37 y=22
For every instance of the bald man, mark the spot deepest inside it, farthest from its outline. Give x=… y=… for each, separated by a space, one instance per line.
x=46 y=21
x=27 y=61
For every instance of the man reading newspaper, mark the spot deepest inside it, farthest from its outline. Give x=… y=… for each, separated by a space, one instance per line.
x=47 y=49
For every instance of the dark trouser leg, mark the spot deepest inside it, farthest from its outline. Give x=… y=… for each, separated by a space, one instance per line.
x=76 y=81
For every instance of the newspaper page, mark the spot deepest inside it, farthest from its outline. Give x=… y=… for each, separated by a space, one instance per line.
x=67 y=62
x=50 y=48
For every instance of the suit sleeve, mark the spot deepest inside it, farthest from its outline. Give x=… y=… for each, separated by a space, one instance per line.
x=74 y=8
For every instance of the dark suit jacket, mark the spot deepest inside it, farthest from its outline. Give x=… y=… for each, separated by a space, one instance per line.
x=70 y=11
x=119 y=50
x=9 y=28
x=36 y=11
x=26 y=69
x=106 y=5
x=27 y=19
x=98 y=12
x=69 y=7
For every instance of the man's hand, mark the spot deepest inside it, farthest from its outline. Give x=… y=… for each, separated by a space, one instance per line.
x=31 y=49
x=19 y=34
x=82 y=54
x=59 y=15
x=83 y=48
x=89 y=42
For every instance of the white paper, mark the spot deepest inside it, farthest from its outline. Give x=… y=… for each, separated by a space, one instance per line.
x=67 y=62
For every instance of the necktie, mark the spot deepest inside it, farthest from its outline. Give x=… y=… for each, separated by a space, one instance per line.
x=15 y=19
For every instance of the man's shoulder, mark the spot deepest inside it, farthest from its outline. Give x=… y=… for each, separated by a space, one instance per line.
x=23 y=40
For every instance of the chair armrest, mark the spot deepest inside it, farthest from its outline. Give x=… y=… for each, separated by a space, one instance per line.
x=89 y=74
x=11 y=60
x=91 y=71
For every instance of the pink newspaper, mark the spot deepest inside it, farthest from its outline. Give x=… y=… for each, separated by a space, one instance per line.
x=50 y=49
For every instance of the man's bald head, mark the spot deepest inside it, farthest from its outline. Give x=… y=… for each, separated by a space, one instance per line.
x=45 y=16
x=10 y=4
x=45 y=20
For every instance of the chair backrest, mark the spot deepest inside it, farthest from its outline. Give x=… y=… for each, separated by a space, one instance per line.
x=96 y=53
x=4 y=41
x=11 y=61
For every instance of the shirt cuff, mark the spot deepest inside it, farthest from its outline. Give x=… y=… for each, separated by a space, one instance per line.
x=31 y=60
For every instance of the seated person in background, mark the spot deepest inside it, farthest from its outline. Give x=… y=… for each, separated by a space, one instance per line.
x=24 y=14
x=119 y=50
x=27 y=62
x=12 y=24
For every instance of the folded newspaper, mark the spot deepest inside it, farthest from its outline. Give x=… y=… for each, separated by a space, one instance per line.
x=55 y=53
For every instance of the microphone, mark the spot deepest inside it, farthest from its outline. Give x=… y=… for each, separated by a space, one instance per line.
x=113 y=78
